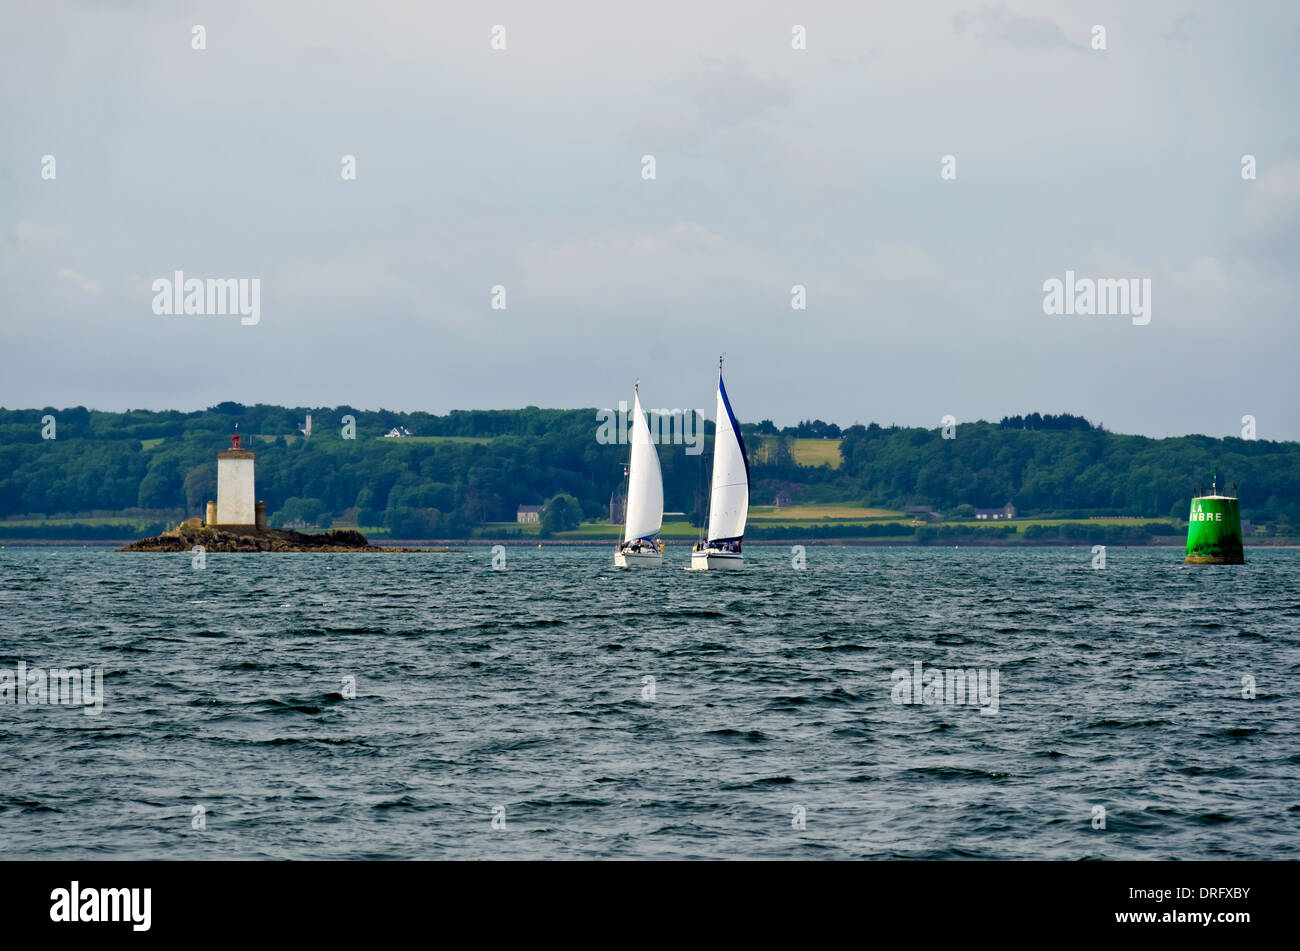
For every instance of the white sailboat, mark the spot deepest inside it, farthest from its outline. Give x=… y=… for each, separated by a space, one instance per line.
x=729 y=498
x=645 y=498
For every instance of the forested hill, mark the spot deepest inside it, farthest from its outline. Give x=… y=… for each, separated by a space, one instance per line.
x=458 y=471
x=1067 y=471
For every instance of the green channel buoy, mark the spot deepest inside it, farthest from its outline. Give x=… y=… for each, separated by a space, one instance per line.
x=1214 y=528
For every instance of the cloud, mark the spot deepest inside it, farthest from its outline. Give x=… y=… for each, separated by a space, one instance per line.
x=713 y=97
x=87 y=286
x=1014 y=28
x=1181 y=30
x=775 y=167
x=1270 y=213
x=902 y=264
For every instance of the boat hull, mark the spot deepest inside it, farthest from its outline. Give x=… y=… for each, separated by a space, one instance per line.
x=714 y=560
x=638 y=559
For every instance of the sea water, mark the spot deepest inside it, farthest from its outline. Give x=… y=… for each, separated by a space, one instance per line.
x=435 y=706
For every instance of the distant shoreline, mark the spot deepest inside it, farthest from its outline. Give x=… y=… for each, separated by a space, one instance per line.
x=671 y=544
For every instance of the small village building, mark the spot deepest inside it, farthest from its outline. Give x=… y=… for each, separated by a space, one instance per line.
x=617 y=508
x=528 y=514
x=1007 y=511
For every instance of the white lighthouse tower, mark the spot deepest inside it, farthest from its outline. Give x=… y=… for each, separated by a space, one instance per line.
x=236 y=501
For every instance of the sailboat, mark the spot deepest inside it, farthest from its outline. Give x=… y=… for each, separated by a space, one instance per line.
x=645 y=497
x=729 y=498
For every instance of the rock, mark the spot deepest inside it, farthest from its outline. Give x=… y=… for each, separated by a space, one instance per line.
x=187 y=535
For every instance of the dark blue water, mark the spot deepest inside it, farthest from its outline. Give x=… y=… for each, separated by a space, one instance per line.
x=525 y=689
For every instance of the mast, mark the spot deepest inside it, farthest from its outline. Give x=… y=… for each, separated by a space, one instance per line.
x=704 y=487
x=708 y=509
x=627 y=466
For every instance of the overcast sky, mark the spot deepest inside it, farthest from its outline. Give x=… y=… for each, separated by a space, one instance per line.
x=774 y=167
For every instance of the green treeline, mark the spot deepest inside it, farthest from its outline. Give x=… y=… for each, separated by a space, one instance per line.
x=1064 y=473
x=486 y=463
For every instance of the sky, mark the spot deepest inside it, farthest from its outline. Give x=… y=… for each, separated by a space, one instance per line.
x=523 y=168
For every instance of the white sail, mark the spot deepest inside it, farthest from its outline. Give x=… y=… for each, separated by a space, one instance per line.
x=729 y=501
x=645 y=485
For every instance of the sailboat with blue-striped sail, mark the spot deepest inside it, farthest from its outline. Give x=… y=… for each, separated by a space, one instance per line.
x=729 y=497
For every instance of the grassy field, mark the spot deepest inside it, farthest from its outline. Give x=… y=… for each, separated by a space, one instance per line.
x=587 y=531
x=807 y=452
x=148 y=444
x=816 y=452
x=820 y=512
x=1022 y=522
x=792 y=516
x=807 y=516
x=127 y=520
x=606 y=530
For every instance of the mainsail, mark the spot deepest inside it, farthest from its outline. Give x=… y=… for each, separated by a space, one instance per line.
x=729 y=500
x=645 y=486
